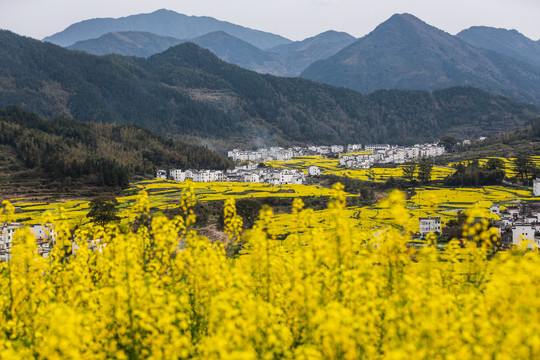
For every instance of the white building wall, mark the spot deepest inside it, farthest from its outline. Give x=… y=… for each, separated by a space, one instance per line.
x=536 y=187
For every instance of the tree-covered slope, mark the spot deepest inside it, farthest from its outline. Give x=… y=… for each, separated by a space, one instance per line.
x=284 y=60
x=406 y=53
x=508 y=42
x=129 y=43
x=187 y=91
x=70 y=152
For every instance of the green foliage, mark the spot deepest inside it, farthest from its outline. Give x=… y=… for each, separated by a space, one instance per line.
x=495 y=164
x=525 y=167
x=71 y=151
x=248 y=209
x=409 y=170
x=103 y=210
x=475 y=175
x=449 y=142
x=424 y=170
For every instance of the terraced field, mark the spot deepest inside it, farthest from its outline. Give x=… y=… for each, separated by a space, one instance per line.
x=427 y=201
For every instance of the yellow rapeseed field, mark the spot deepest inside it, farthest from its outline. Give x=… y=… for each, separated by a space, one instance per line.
x=160 y=291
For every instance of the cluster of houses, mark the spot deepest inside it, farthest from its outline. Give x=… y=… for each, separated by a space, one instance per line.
x=372 y=154
x=518 y=223
x=386 y=154
x=44 y=234
x=281 y=154
x=251 y=173
x=380 y=153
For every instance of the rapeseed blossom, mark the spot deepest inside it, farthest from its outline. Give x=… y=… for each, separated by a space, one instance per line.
x=158 y=290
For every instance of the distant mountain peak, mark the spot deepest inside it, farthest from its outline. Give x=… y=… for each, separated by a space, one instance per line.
x=404 y=20
x=406 y=53
x=163 y=22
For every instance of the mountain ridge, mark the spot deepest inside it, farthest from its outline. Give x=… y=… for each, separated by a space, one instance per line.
x=187 y=92
x=164 y=23
x=504 y=41
x=406 y=53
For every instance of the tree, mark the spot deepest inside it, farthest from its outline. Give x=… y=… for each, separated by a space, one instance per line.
x=248 y=209
x=494 y=164
x=449 y=142
x=424 y=170
x=525 y=167
x=103 y=210
x=409 y=170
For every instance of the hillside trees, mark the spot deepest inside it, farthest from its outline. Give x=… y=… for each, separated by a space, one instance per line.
x=525 y=168
x=70 y=151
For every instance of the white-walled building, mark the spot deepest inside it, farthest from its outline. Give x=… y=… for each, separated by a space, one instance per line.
x=536 y=187
x=495 y=209
x=161 y=174
x=44 y=234
x=523 y=231
x=430 y=225
x=177 y=175
x=251 y=177
x=313 y=170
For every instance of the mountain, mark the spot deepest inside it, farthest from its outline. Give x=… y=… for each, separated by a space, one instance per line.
x=318 y=44
x=283 y=60
x=241 y=53
x=406 y=53
x=164 y=23
x=298 y=55
x=129 y=43
x=508 y=42
x=187 y=92
x=64 y=152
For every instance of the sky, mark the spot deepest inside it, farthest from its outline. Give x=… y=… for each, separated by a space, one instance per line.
x=293 y=19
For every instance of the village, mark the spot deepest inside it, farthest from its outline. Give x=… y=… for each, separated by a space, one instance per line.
x=249 y=168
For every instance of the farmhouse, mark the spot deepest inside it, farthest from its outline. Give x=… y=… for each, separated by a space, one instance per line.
x=430 y=225
x=522 y=232
x=313 y=170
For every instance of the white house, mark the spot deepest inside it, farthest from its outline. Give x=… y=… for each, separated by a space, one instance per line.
x=161 y=174
x=251 y=177
x=313 y=170
x=177 y=174
x=536 y=187
x=495 y=208
x=354 y=147
x=45 y=237
x=430 y=225
x=523 y=231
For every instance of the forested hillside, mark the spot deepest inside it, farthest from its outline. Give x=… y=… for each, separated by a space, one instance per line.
x=65 y=152
x=523 y=141
x=187 y=92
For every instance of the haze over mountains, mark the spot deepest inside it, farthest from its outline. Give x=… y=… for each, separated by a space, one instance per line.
x=187 y=92
x=401 y=53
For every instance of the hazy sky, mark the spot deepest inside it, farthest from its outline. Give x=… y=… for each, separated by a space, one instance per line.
x=294 y=19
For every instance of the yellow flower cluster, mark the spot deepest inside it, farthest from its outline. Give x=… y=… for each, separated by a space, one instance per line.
x=158 y=290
